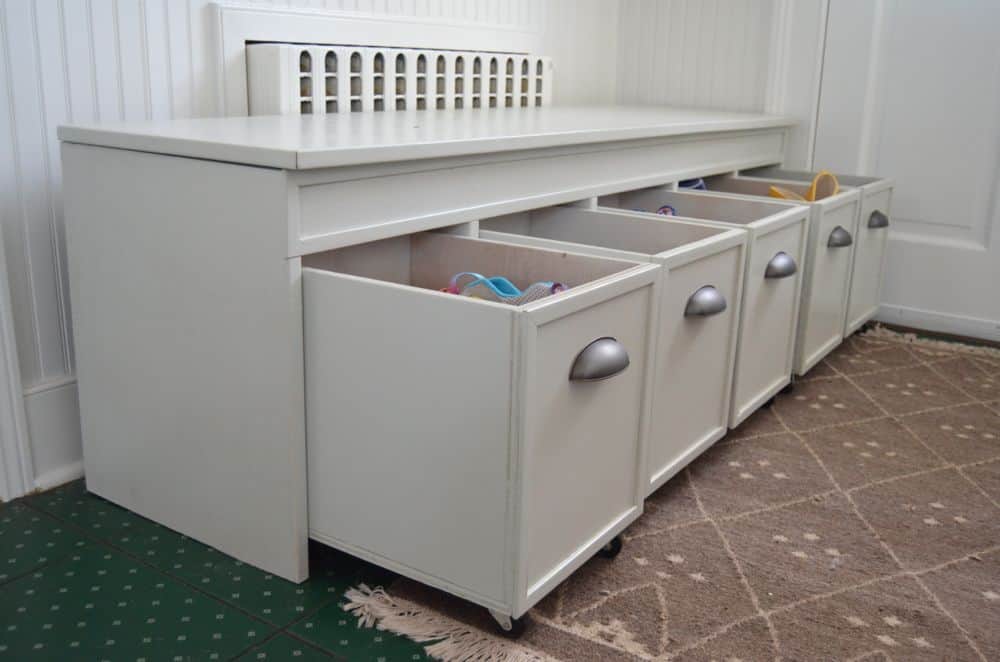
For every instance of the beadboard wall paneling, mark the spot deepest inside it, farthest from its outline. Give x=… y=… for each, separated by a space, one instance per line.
x=84 y=60
x=704 y=53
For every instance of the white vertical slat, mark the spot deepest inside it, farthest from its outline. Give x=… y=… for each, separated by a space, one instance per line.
x=158 y=75
x=131 y=29
x=30 y=152
x=318 y=83
x=202 y=46
x=706 y=54
x=78 y=56
x=104 y=44
x=674 y=21
x=12 y=217
x=54 y=98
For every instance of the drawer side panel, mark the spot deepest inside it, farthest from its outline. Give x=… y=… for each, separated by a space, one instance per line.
x=407 y=424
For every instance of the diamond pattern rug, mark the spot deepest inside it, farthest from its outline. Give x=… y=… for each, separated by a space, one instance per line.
x=857 y=518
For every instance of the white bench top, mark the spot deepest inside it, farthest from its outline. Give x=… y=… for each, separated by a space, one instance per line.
x=297 y=142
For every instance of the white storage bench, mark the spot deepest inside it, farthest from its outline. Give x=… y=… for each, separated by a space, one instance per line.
x=827 y=266
x=264 y=357
x=771 y=287
x=701 y=284
x=871 y=239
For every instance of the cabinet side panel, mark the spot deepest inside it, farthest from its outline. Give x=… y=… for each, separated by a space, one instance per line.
x=188 y=330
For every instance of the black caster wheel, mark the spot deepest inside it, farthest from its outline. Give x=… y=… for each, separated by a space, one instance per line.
x=508 y=627
x=612 y=549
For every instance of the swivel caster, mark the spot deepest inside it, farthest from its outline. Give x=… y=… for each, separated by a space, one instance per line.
x=512 y=628
x=611 y=550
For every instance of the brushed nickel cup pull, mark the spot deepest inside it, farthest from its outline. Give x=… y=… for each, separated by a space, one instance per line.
x=839 y=238
x=782 y=265
x=602 y=359
x=705 y=302
x=878 y=220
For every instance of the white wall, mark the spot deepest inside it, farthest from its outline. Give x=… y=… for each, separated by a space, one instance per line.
x=70 y=60
x=912 y=90
x=702 y=53
x=904 y=89
x=748 y=55
x=847 y=69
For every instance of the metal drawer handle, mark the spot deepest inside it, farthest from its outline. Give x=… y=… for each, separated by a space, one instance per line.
x=782 y=265
x=839 y=238
x=602 y=359
x=706 y=301
x=878 y=220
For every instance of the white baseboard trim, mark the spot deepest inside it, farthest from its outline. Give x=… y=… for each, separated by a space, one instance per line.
x=57 y=477
x=958 y=325
x=53 y=414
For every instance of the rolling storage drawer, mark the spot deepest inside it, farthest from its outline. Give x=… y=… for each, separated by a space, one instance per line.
x=827 y=266
x=495 y=447
x=771 y=281
x=872 y=239
x=701 y=283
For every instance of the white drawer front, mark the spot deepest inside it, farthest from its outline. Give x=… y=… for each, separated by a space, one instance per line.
x=769 y=320
x=828 y=271
x=582 y=440
x=694 y=363
x=869 y=260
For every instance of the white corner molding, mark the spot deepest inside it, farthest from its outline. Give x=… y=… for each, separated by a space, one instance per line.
x=239 y=24
x=16 y=470
x=958 y=325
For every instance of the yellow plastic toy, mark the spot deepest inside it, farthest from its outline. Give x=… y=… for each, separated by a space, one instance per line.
x=823 y=185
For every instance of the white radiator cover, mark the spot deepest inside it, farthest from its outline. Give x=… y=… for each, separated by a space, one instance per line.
x=319 y=79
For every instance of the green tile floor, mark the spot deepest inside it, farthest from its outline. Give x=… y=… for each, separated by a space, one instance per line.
x=82 y=579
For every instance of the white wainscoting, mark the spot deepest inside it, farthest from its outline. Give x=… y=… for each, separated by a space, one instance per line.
x=70 y=60
x=703 y=53
x=752 y=55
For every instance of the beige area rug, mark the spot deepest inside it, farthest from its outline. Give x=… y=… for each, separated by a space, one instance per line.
x=857 y=518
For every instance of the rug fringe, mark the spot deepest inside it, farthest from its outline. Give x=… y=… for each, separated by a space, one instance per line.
x=879 y=332
x=452 y=641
